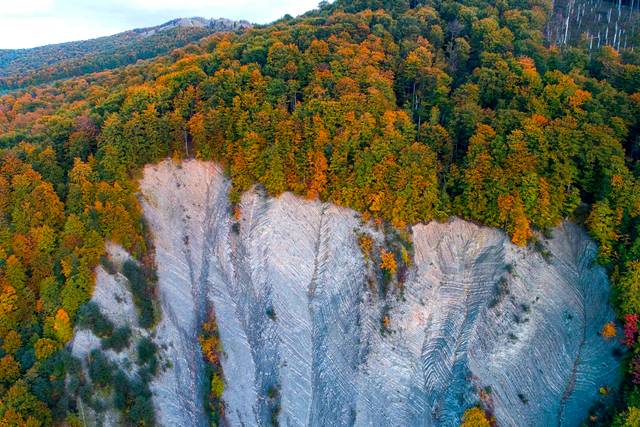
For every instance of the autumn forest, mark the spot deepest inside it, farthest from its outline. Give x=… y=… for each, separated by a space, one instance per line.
x=407 y=111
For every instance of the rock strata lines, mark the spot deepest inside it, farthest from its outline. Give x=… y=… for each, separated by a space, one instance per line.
x=301 y=326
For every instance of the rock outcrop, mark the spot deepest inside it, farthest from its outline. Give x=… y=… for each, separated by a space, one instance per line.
x=309 y=339
x=214 y=24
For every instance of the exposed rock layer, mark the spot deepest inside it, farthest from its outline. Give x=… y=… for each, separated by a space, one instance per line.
x=297 y=313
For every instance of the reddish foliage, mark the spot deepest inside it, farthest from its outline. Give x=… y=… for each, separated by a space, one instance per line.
x=630 y=329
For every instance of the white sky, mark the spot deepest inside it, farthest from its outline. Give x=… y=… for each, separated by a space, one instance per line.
x=29 y=23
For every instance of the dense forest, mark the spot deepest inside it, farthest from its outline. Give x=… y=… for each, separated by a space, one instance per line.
x=404 y=110
x=24 y=67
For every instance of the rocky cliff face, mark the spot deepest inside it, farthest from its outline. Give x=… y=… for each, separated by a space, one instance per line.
x=302 y=318
x=214 y=24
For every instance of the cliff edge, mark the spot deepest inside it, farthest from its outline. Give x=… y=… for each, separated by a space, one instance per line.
x=305 y=315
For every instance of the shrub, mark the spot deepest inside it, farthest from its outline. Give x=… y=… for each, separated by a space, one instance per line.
x=388 y=261
x=141 y=292
x=273 y=395
x=501 y=290
x=90 y=317
x=630 y=418
x=609 y=330
x=211 y=348
x=475 y=417
x=539 y=247
x=108 y=266
x=120 y=390
x=119 y=340
x=147 y=354
x=366 y=244
x=141 y=411
x=100 y=369
x=630 y=329
x=217 y=386
x=132 y=397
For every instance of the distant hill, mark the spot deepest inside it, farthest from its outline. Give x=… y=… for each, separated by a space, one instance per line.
x=24 y=67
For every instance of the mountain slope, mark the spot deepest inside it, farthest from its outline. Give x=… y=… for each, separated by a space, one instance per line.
x=22 y=67
x=406 y=111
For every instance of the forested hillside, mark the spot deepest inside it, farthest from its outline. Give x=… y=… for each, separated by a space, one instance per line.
x=23 y=67
x=405 y=110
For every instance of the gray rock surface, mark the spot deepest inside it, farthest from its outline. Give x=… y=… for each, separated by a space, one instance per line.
x=297 y=313
x=215 y=24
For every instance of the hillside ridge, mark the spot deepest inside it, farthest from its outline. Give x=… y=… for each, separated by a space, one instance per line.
x=42 y=64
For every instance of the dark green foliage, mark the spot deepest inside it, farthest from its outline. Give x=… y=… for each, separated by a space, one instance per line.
x=90 y=317
x=141 y=411
x=100 y=369
x=27 y=358
x=273 y=399
x=108 y=265
x=49 y=384
x=147 y=351
x=119 y=340
x=539 y=246
x=133 y=398
x=523 y=398
x=142 y=292
x=120 y=390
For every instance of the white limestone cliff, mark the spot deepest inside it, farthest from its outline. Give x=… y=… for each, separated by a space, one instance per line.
x=296 y=313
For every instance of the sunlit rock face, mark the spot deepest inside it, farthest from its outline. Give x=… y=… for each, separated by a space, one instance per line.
x=595 y=23
x=300 y=319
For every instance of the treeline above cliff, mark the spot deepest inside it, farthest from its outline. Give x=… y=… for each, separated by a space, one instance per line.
x=406 y=111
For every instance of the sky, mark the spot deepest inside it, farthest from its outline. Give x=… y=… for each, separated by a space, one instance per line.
x=30 y=23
